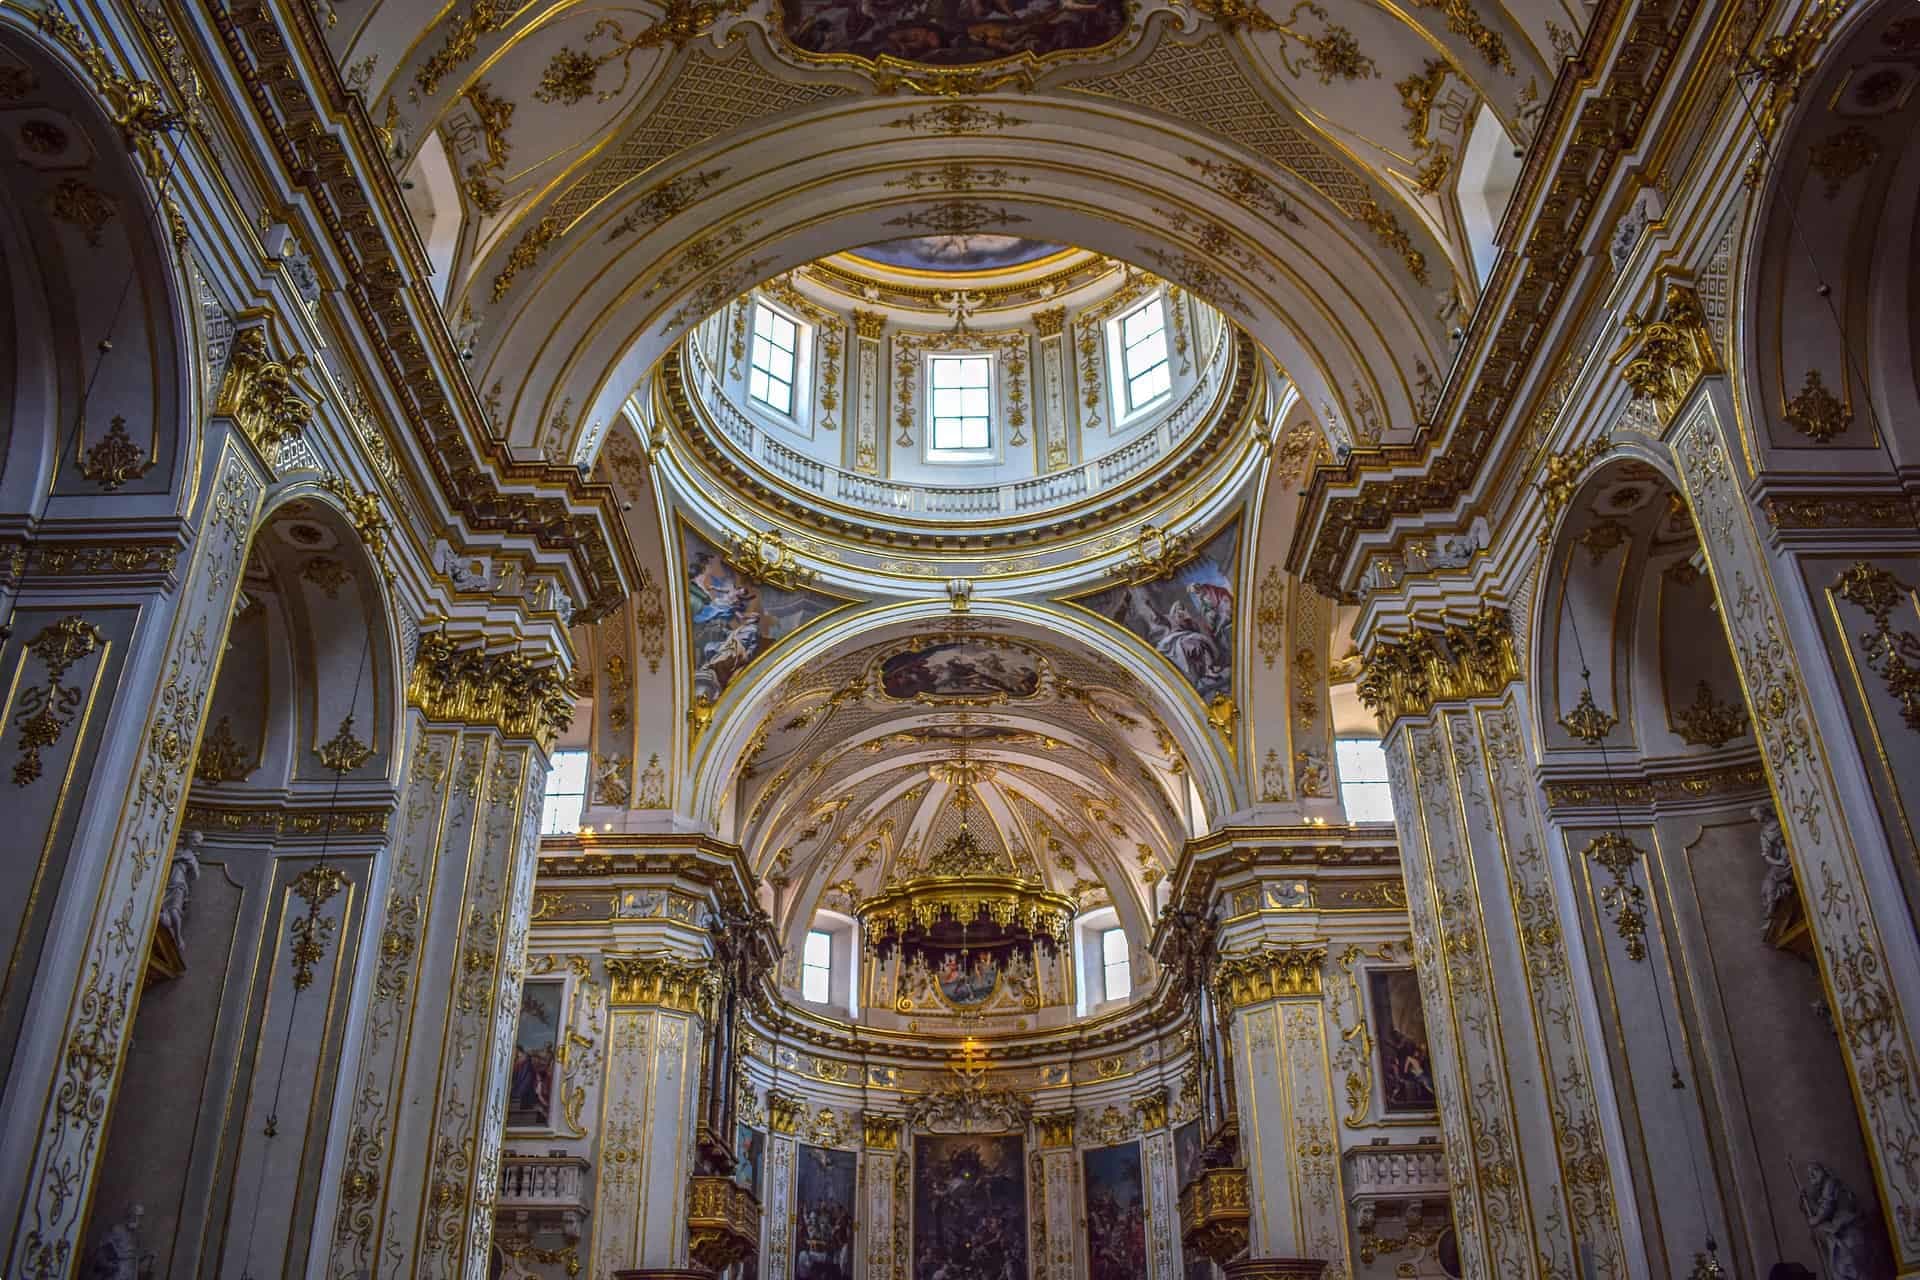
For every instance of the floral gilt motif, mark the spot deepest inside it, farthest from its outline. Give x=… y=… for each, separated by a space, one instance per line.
x=1892 y=655
x=114 y=459
x=46 y=710
x=1816 y=413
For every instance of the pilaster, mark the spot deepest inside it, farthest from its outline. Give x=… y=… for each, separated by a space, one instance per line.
x=128 y=788
x=419 y=1167
x=1846 y=865
x=1533 y=1183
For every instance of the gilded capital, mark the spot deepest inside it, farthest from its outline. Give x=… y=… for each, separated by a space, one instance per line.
x=663 y=981
x=1151 y=1109
x=503 y=690
x=1258 y=976
x=1406 y=675
x=1663 y=359
x=258 y=392
x=881 y=1131
x=785 y=1111
x=1055 y=1128
x=869 y=324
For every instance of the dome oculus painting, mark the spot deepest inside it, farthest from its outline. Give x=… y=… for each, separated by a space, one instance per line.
x=950 y=33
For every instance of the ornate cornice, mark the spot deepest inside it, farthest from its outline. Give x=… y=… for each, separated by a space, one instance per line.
x=1406 y=675
x=1637 y=793
x=281 y=821
x=1599 y=106
x=1662 y=360
x=506 y=691
x=335 y=152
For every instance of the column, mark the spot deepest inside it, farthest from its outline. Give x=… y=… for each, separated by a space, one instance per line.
x=784 y=1113
x=1270 y=996
x=1533 y=1181
x=425 y=1091
x=1157 y=1178
x=1056 y=1165
x=112 y=669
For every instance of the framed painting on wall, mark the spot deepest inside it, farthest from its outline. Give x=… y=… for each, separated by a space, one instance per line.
x=536 y=1054
x=1400 y=1030
x=969 y=1206
x=1116 y=1213
x=825 y=1188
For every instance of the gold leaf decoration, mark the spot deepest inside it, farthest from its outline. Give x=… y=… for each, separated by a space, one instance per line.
x=76 y=203
x=46 y=710
x=1709 y=722
x=343 y=753
x=1587 y=721
x=222 y=758
x=115 y=459
x=315 y=886
x=1816 y=413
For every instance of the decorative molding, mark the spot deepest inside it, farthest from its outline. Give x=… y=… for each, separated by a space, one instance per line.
x=664 y=981
x=1623 y=900
x=47 y=710
x=343 y=753
x=506 y=691
x=1709 y=722
x=222 y=758
x=1587 y=721
x=311 y=933
x=1839 y=157
x=114 y=459
x=880 y=1130
x=258 y=393
x=1665 y=359
x=1405 y=676
x=1892 y=655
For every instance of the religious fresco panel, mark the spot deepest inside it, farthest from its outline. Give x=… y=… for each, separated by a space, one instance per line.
x=1116 y=1213
x=969 y=1207
x=731 y=619
x=825 y=1193
x=949 y=33
x=1187 y=616
x=535 y=1049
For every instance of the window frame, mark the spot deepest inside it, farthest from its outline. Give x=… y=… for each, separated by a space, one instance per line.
x=808 y=966
x=550 y=795
x=800 y=353
x=1128 y=376
x=1108 y=964
x=1352 y=786
x=938 y=454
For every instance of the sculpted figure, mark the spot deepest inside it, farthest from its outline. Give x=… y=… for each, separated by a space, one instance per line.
x=181 y=873
x=1838 y=1226
x=117 y=1256
x=1777 y=886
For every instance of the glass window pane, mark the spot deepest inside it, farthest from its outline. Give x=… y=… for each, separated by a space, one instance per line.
x=973 y=402
x=1147 y=387
x=762 y=321
x=946 y=403
x=973 y=433
x=816 y=984
x=1367 y=801
x=1150 y=350
x=1360 y=760
x=819 y=947
x=1113 y=945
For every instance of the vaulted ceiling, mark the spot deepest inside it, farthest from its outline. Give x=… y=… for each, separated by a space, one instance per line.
x=611 y=174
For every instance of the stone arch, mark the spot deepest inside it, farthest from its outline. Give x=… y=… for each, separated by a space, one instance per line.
x=717 y=754
x=97 y=309
x=1826 y=330
x=624 y=284
x=1696 y=957
x=284 y=829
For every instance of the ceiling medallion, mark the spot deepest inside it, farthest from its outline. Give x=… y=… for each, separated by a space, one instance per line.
x=1155 y=554
x=946 y=52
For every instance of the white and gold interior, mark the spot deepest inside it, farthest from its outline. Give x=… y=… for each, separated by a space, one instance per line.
x=960 y=639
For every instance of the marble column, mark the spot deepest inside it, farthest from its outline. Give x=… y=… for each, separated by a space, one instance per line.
x=417 y=1163
x=880 y=1165
x=113 y=666
x=1534 y=1178
x=1057 y=1165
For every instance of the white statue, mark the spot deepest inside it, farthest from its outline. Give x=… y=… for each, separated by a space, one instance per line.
x=1777 y=887
x=181 y=873
x=117 y=1255
x=1838 y=1226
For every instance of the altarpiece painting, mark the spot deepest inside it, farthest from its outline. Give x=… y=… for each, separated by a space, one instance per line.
x=1116 y=1213
x=536 y=1043
x=1400 y=1027
x=823 y=1202
x=969 y=1207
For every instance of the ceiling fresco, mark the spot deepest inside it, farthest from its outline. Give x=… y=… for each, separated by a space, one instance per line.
x=957 y=253
x=950 y=32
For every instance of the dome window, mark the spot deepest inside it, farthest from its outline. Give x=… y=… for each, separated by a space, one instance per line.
x=776 y=347
x=1144 y=371
x=962 y=406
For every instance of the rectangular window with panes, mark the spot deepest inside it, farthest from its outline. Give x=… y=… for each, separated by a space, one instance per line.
x=1363 y=780
x=816 y=967
x=1143 y=355
x=566 y=794
x=1116 y=967
x=775 y=355
x=960 y=412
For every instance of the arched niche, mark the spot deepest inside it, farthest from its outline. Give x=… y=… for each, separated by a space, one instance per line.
x=1690 y=937
x=234 y=1052
x=1827 y=322
x=99 y=374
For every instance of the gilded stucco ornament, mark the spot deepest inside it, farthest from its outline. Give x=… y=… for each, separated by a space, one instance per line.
x=316 y=886
x=258 y=393
x=1662 y=360
x=723 y=1221
x=222 y=758
x=46 y=710
x=765 y=557
x=1624 y=900
x=138 y=107
x=1892 y=655
x=1587 y=721
x=506 y=691
x=681 y=983
x=1709 y=722
x=1816 y=412
x=1216 y=1213
x=1407 y=675
x=114 y=459
x=343 y=753
x=1241 y=980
